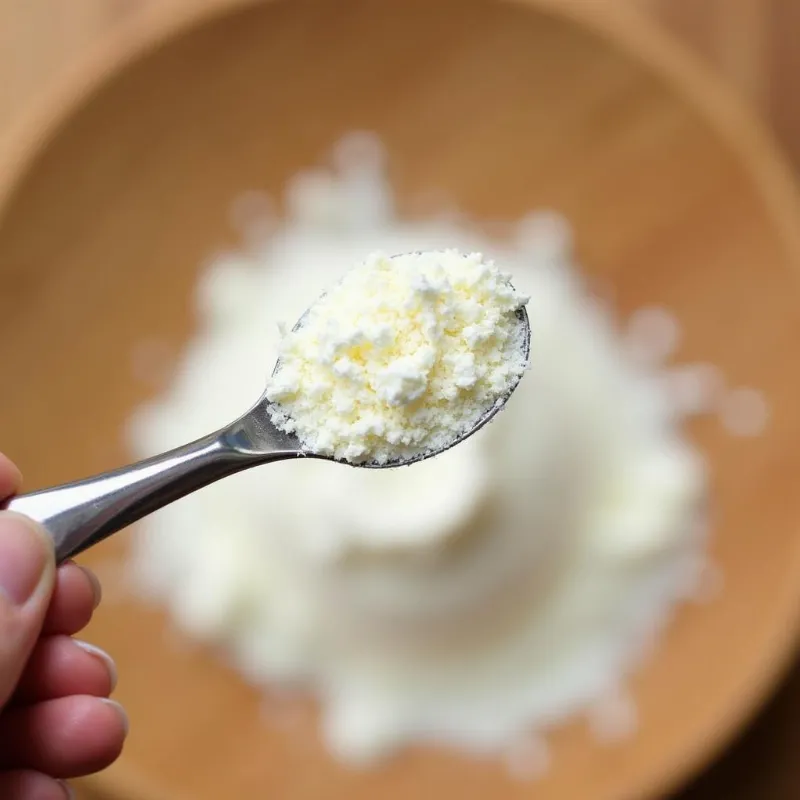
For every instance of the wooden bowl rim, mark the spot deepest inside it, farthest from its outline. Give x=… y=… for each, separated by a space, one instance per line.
x=629 y=32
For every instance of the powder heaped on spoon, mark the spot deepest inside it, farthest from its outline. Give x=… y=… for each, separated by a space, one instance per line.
x=402 y=357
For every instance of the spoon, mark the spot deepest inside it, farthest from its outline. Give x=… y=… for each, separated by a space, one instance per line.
x=83 y=513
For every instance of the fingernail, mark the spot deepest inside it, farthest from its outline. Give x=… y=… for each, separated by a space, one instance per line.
x=69 y=792
x=24 y=557
x=121 y=711
x=97 y=589
x=9 y=466
x=100 y=655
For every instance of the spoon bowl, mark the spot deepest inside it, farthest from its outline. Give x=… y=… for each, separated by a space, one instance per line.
x=488 y=415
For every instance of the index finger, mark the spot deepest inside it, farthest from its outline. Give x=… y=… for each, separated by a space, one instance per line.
x=10 y=477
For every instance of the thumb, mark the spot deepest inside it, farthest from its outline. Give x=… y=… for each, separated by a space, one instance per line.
x=27 y=577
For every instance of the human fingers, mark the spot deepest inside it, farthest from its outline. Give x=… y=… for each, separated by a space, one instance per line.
x=60 y=666
x=29 y=785
x=10 y=477
x=75 y=597
x=66 y=738
x=27 y=576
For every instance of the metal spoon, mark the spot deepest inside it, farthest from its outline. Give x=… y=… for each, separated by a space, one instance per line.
x=81 y=514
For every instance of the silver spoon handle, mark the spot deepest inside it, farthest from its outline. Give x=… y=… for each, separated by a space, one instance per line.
x=80 y=514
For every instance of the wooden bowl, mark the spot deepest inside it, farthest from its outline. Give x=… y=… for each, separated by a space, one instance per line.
x=118 y=187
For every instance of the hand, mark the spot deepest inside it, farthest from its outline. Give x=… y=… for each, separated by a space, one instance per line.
x=56 y=720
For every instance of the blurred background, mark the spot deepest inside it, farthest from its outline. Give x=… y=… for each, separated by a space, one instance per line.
x=750 y=43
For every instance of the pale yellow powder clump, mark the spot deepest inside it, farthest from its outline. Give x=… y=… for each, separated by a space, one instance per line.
x=401 y=357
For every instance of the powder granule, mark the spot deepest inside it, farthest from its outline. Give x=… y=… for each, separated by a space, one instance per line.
x=401 y=357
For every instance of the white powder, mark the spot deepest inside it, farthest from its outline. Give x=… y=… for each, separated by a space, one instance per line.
x=652 y=334
x=476 y=598
x=612 y=717
x=744 y=412
x=400 y=358
x=528 y=759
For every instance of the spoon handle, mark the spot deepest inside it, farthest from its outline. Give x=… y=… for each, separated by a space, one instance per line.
x=80 y=514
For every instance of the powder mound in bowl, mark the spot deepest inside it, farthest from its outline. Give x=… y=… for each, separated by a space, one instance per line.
x=401 y=358
x=487 y=595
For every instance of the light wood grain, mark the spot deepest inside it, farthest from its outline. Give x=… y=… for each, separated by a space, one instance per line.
x=749 y=42
x=734 y=36
x=132 y=196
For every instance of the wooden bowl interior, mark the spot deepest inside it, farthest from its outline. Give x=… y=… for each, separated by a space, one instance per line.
x=506 y=108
